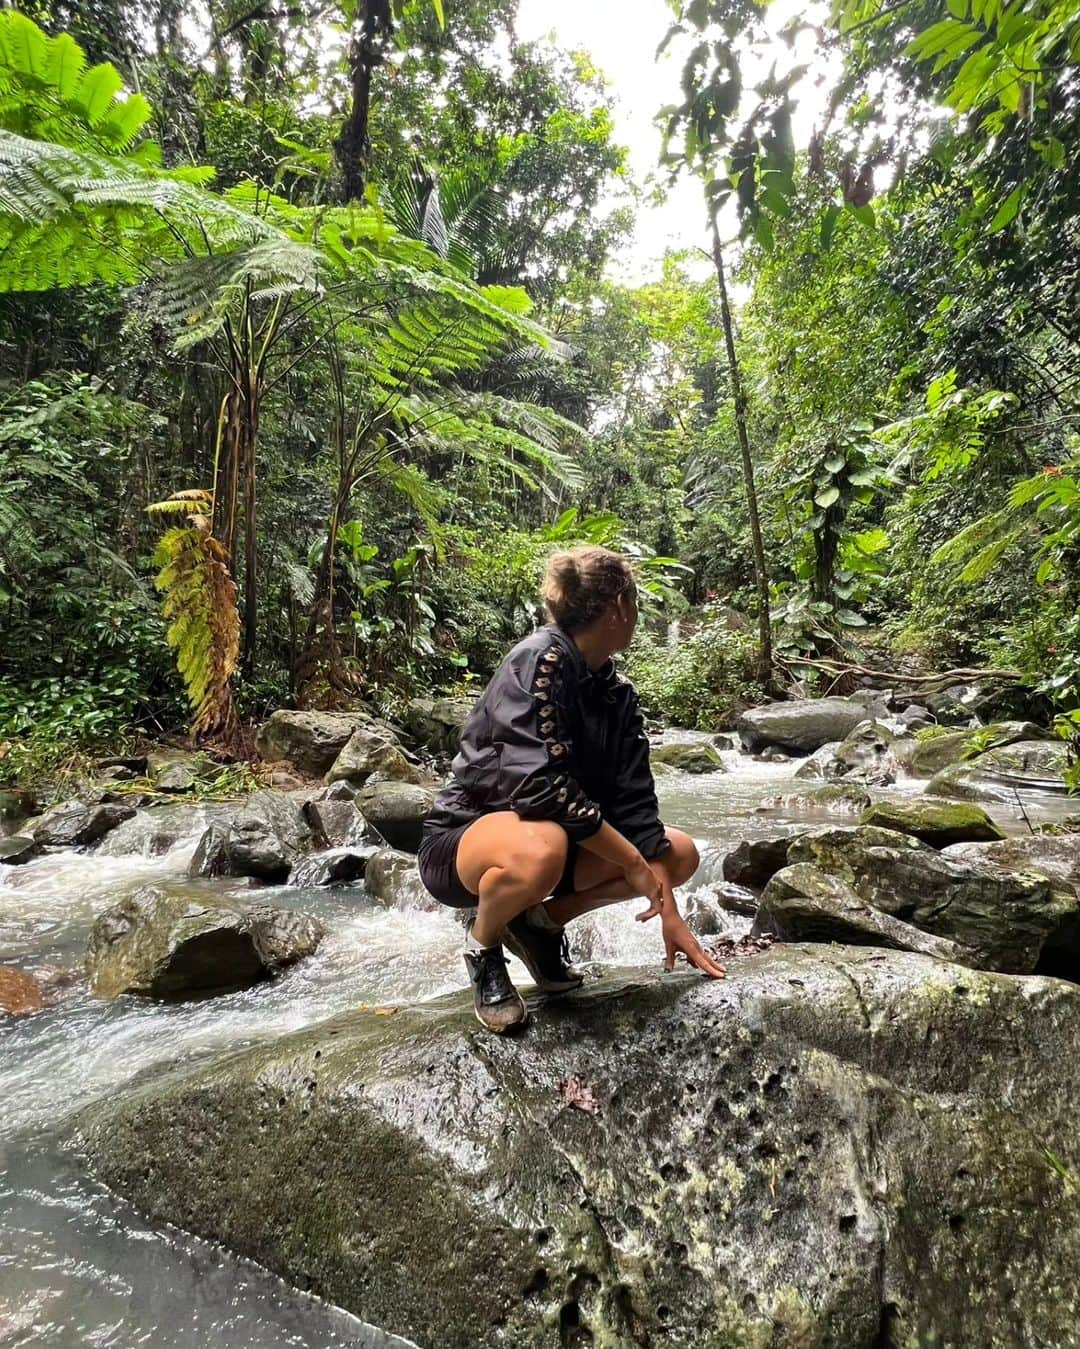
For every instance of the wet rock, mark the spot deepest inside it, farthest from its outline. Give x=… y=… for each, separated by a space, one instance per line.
x=15 y=807
x=1004 y=917
x=263 y=838
x=951 y=747
x=866 y=755
x=800 y=726
x=662 y=770
x=803 y=903
x=369 y=752
x=698 y=757
x=168 y=941
x=436 y=724
x=1055 y=855
x=824 y=1144
x=903 y=751
x=392 y=879
x=20 y=993
x=175 y=770
x=998 y=774
x=938 y=825
x=152 y=831
x=396 y=811
x=755 y=861
x=774 y=755
x=310 y=741
x=77 y=824
x=821 y=765
x=914 y=717
x=723 y=742
x=336 y=866
x=876 y=702
x=17 y=849
x=833 y=798
x=334 y=822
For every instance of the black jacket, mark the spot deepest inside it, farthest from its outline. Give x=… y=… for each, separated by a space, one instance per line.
x=553 y=740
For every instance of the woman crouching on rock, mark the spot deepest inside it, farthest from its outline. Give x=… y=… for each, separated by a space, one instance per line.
x=552 y=795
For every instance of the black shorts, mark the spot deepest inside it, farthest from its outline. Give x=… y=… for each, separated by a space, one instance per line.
x=437 y=864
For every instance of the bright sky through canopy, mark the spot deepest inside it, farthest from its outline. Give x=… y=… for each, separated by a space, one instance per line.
x=622 y=37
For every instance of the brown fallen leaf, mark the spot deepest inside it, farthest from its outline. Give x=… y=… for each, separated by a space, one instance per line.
x=745 y=946
x=577 y=1093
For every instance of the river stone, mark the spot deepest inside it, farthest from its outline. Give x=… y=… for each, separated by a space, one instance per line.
x=20 y=993
x=334 y=821
x=819 y=1150
x=698 y=757
x=397 y=810
x=436 y=723
x=866 y=755
x=368 y=752
x=310 y=741
x=15 y=806
x=755 y=861
x=722 y=741
x=78 y=824
x=938 y=825
x=335 y=866
x=1000 y=773
x=17 y=849
x=392 y=879
x=821 y=765
x=936 y=752
x=1005 y=917
x=175 y=770
x=874 y=702
x=914 y=717
x=167 y=941
x=1055 y=855
x=803 y=903
x=263 y=838
x=833 y=798
x=801 y=726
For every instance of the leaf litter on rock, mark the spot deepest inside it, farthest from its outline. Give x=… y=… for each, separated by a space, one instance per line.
x=576 y=1092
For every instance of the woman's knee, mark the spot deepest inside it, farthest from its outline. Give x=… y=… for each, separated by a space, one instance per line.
x=536 y=857
x=683 y=856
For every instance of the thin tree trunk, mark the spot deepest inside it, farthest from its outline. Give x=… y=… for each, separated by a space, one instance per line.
x=761 y=575
x=353 y=145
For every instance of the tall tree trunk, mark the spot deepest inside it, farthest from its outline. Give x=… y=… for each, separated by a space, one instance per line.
x=761 y=575
x=353 y=145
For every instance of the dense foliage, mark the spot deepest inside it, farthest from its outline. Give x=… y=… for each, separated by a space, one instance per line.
x=317 y=332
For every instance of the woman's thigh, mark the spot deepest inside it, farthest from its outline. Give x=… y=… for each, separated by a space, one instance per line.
x=504 y=839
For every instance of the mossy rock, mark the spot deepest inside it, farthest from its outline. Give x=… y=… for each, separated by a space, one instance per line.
x=698 y=757
x=938 y=825
x=816 y=1148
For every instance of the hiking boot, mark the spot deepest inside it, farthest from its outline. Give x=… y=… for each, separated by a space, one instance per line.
x=542 y=948
x=497 y=1003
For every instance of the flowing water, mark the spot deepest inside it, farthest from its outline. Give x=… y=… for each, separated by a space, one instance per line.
x=78 y=1268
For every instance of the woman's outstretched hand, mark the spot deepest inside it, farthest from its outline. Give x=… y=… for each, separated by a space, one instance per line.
x=677 y=936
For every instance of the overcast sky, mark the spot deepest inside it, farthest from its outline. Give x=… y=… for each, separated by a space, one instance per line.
x=622 y=37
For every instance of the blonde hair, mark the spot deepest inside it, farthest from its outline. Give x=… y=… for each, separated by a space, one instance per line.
x=581 y=583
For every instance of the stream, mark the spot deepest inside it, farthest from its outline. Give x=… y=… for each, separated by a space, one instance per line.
x=80 y=1268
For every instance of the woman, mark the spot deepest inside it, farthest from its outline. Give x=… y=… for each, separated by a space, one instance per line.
x=552 y=795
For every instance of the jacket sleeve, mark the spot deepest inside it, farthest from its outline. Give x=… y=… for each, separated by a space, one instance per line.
x=636 y=813
x=531 y=727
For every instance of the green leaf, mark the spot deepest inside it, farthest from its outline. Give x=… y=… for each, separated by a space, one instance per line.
x=835 y=463
x=64 y=63
x=1006 y=212
x=828 y=497
x=829 y=218
x=850 y=619
x=97 y=90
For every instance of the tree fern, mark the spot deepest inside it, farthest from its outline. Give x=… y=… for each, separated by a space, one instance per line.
x=200 y=604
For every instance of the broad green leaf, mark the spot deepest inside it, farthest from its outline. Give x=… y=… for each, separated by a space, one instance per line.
x=835 y=463
x=850 y=619
x=64 y=64
x=829 y=218
x=97 y=89
x=1006 y=212
x=828 y=497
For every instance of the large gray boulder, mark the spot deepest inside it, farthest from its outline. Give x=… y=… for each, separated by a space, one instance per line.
x=396 y=811
x=366 y=752
x=168 y=941
x=820 y=766
x=310 y=741
x=1005 y=917
x=263 y=839
x=753 y=862
x=436 y=724
x=802 y=903
x=827 y=1148
x=392 y=879
x=825 y=798
x=802 y=726
x=1055 y=855
x=935 y=752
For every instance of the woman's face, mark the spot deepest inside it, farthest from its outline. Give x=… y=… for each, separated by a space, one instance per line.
x=625 y=618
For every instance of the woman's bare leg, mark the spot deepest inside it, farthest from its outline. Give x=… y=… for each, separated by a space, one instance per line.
x=597 y=884
x=510 y=864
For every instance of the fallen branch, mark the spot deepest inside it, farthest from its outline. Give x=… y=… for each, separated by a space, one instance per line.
x=934 y=683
